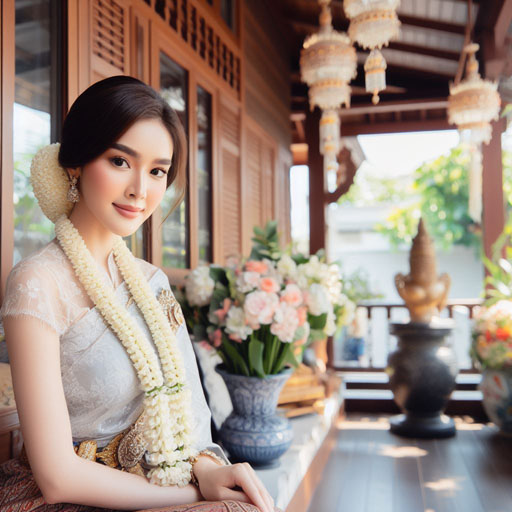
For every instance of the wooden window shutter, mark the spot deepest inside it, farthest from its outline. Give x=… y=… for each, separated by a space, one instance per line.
x=230 y=190
x=109 y=39
x=254 y=214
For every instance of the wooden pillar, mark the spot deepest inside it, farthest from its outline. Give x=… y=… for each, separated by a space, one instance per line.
x=317 y=210
x=7 y=72
x=493 y=215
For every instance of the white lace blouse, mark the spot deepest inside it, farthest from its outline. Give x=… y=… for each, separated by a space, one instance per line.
x=100 y=384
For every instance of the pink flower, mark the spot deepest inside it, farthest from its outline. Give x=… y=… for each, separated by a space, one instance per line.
x=259 y=308
x=235 y=337
x=216 y=338
x=285 y=324
x=292 y=295
x=302 y=314
x=205 y=345
x=222 y=312
x=256 y=266
x=269 y=285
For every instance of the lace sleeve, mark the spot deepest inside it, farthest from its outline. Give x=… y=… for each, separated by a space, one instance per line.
x=31 y=292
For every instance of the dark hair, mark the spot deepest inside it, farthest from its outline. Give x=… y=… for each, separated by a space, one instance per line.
x=106 y=110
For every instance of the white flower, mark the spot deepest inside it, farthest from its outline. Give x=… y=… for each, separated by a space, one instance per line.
x=235 y=323
x=247 y=281
x=50 y=182
x=317 y=300
x=330 y=324
x=199 y=286
x=287 y=267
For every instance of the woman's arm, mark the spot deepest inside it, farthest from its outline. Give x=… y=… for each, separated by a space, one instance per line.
x=63 y=476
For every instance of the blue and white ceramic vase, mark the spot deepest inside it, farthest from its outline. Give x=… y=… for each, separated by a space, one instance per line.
x=254 y=432
x=496 y=387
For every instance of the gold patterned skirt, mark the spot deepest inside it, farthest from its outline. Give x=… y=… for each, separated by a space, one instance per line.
x=20 y=493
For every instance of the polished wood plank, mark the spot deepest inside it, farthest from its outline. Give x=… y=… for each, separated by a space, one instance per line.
x=371 y=470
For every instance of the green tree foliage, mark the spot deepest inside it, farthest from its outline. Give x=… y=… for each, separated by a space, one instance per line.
x=442 y=191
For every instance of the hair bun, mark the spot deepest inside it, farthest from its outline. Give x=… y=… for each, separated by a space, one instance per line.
x=50 y=182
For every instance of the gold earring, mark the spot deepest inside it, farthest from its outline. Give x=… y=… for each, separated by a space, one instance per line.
x=73 y=196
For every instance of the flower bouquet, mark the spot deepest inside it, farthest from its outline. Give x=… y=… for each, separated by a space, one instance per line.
x=491 y=346
x=251 y=314
x=321 y=284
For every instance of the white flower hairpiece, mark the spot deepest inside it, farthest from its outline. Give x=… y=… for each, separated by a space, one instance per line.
x=50 y=182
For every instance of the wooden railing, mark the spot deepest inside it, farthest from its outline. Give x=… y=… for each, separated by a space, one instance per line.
x=379 y=343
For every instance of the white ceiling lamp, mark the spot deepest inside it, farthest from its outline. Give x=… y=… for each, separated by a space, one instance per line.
x=373 y=23
x=473 y=104
x=328 y=62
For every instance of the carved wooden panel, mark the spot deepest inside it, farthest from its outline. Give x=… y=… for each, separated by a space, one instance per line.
x=109 y=39
x=193 y=23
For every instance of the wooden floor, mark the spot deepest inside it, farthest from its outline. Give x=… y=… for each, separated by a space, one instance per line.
x=372 y=470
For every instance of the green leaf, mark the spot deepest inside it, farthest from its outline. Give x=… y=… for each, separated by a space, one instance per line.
x=235 y=357
x=256 y=356
x=317 y=321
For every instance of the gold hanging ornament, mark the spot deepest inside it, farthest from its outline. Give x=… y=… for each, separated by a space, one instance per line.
x=330 y=141
x=472 y=105
x=375 y=74
x=373 y=23
x=328 y=63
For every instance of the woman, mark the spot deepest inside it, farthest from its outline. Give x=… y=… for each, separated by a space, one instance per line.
x=103 y=379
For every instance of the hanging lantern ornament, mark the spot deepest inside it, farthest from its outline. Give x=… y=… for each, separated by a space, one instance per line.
x=330 y=140
x=473 y=102
x=375 y=74
x=328 y=63
x=373 y=23
x=472 y=105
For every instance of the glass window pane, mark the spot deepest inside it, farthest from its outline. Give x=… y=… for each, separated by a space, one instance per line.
x=36 y=94
x=204 y=173
x=135 y=242
x=175 y=229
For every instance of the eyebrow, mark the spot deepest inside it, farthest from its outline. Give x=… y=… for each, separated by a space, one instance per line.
x=132 y=152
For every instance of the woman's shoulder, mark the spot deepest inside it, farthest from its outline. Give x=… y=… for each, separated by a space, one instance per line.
x=47 y=262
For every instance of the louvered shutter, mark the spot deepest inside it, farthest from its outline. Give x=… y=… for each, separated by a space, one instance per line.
x=110 y=39
x=230 y=203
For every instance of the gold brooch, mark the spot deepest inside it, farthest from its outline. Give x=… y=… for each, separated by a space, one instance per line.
x=172 y=309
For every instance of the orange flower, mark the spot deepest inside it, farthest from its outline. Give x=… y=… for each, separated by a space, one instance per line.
x=256 y=266
x=502 y=333
x=269 y=285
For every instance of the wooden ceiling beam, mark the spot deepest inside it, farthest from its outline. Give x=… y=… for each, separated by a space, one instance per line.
x=395 y=106
x=309 y=25
x=424 y=50
x=443 y=26
x=352 y=129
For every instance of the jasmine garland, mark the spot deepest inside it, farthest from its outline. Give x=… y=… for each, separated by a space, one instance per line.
x=166 y=401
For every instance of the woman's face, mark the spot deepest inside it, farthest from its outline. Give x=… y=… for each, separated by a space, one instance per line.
x=124 y=185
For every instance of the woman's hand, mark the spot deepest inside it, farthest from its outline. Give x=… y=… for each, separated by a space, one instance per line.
x=218 y=483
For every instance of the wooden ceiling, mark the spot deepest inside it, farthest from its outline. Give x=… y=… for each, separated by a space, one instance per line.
x=421 y=61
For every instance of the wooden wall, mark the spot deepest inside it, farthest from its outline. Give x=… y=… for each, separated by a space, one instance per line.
x=267 y=107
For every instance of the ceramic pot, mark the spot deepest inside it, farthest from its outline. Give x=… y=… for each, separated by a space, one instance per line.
x=496 y=387
x=422 y=375
x=254 y=432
